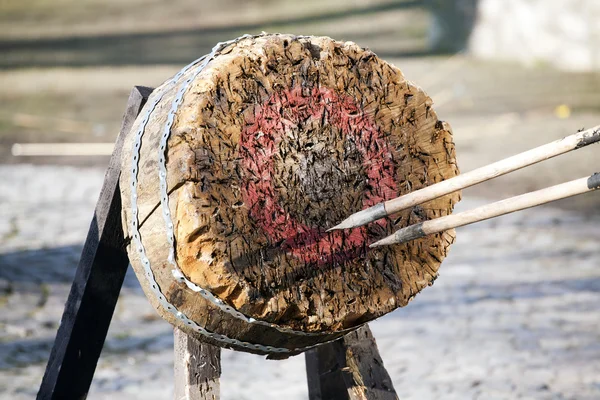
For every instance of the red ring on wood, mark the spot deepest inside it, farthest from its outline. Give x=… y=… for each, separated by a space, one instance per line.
x=260 y=140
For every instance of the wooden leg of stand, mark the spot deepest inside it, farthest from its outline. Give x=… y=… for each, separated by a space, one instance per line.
x=348 y=369
x=96 y=285
x=197 y=369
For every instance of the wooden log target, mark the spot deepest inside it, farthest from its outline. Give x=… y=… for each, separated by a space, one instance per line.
x=236 y=167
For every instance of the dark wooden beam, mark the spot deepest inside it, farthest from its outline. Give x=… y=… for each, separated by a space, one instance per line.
x=348 y=369
x=96 y=285
x=197 y=368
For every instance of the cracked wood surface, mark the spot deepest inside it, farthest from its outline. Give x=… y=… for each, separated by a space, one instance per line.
x=279 y=138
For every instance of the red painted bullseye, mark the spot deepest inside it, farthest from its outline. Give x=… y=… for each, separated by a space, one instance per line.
x=260 y=141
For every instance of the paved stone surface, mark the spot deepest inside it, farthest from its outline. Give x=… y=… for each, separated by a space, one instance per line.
x=514 y=314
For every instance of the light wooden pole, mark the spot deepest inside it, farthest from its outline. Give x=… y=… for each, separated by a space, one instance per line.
x=499 y=168
x=517 y=203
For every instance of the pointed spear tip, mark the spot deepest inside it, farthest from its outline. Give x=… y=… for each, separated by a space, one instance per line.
x=383 y=242
x=403 y=235
x=361 y=218
x=345 y=224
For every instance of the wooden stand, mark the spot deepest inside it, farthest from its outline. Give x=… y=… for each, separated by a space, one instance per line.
x=349 y=368
x=197 y=368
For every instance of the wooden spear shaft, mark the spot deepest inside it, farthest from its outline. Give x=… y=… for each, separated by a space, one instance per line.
x=497 y=209
x=502 y=167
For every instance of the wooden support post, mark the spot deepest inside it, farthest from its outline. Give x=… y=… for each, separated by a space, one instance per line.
x=197 y=368
x=96 y=285
x=348 y=369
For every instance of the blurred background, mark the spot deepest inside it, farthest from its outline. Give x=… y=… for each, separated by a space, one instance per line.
x=515 y=312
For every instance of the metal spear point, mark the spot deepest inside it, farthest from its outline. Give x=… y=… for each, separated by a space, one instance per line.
x=497 y=209
x=499 y=168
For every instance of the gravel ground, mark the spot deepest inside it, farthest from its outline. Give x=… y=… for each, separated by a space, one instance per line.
x=514 y=313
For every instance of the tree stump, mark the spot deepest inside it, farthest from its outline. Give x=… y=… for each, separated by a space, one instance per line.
x=236 y=167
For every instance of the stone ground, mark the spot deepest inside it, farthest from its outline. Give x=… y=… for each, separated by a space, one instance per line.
x=514 y=313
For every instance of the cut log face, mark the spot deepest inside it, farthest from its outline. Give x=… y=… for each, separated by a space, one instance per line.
x=275 y=140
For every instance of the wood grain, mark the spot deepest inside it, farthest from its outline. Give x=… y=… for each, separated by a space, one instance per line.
x=279 y=137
